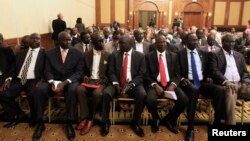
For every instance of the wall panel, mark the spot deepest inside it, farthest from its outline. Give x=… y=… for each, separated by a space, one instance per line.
x=219 y=13
x=234 y=13
x=246 y=13
x=120 y=10
x=105 y=11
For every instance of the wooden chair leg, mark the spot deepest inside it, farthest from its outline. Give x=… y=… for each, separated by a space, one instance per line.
x=242 y=111
x=49 y=109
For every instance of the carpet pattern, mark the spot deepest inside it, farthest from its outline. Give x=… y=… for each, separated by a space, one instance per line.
x=55 y=132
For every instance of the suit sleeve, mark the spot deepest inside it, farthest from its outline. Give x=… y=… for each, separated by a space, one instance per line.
x=138 y=78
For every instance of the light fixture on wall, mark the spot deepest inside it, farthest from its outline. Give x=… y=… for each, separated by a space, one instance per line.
x=176 y=14
x=130 y=13
x=165 y=13
x=209 y=14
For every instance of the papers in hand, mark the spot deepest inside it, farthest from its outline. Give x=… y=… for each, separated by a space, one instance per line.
x=170 y=95
x=55 y=82
x=91 y=85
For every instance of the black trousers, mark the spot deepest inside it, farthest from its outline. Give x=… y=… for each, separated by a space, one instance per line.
x=139 y=95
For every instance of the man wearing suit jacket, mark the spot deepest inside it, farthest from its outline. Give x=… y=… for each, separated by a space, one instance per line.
x=196 y=80
x=96 y=62
x=201 y=39
x=6 y=58
x=26 y=74
x=84 y=46
x=58 y=25
x=229 y=70
x=210 y=47
x=156 y=88
x=113 y=45
x=129 y=78
x=64 y=64
x=140 y=45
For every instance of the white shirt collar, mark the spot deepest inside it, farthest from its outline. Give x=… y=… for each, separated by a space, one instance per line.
x=129 y=52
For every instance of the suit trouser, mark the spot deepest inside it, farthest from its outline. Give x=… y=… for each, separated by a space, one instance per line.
x=180 y=104
x=7 y=97
x=42 y=93
x=88 y=106
x=213 y=91
x=138 y=93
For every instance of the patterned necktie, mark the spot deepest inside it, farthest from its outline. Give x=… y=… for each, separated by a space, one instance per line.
x=162 y=72
x=124 y=70
x=64 y=54
x=194 y=71
x=25 y=68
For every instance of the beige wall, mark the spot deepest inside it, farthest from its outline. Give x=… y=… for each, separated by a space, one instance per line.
x=219 y=13
x=246 y=13
x=21 y=17
x=120 y=11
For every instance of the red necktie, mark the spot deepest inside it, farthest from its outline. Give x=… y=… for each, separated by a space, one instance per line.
x=162 y=72
x=124 y=70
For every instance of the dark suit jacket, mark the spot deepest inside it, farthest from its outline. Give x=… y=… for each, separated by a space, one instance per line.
x=203 y=42
x=153 y=67
x=138 y=68
x=58 y=26
x=79 y=46
x=103 y=65
x=218 y=66
x=71 y=69
x=39 y=66
x=184 y=62
x=145 y=47
x=7 y=57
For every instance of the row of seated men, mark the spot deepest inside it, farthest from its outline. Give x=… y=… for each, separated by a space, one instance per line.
x=126 y=72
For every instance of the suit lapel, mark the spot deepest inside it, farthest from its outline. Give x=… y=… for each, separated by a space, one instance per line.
x=237 y=60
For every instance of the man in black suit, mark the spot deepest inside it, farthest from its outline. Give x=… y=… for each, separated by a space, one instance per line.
x=6 y=59
x=196 y=79
x=58 y=25
x=155 y=80
x=229 y=70
x=64 y=65
x=129 y=78
x=210 y=47
x=201 y=38
x=140 y=45
x=26 y=74
x=96 y=62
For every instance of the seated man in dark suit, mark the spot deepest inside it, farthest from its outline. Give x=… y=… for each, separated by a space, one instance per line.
x=197 y=80
x=126 y=72
x=229 y=70
x=64 y=66
x=96 y=62
x=26 y=73
x=163 y=74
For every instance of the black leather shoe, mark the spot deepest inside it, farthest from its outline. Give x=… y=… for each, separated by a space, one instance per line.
x=155 y=125
x=171 y=127
x=105 y=129
x=16 y=121
x=189 y=135
x=138 y=130
x=38 y=132
x=70 y=132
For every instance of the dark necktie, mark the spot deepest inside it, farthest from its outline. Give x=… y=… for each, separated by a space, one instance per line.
x=25 y=68
x=86 y=48
x=162 y=72
x=124 y=70
x=194 y=71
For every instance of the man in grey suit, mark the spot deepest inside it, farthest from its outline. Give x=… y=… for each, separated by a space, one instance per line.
x=96 y=62
x=64 y=64
x=211 y=46
x=229 y=69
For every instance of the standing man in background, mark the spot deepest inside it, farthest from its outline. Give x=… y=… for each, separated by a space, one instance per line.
x=58 y=25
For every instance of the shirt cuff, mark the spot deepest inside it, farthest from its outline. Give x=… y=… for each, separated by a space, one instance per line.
x=152 y=84
x=51 y=81
x=172 y=83
x=69 y=81
x=9 y=78
x=114 y=83
x=223 y=83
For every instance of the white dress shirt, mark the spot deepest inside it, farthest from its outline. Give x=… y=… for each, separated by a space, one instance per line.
x=96 y=63
x=231 y=73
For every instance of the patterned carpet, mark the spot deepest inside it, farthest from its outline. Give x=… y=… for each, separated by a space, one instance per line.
x=55 y=132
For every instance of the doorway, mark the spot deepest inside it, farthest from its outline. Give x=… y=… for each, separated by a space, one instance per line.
x=147 y=18
x=192 y=18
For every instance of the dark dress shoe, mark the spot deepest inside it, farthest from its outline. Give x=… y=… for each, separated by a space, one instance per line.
x=171 y=127
x=16 y=121
x=138 y=130
x=87 y=127
x=38 y=132
x=189 y=135
x=70 y=132
x=155 y=125
x=105 y=129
